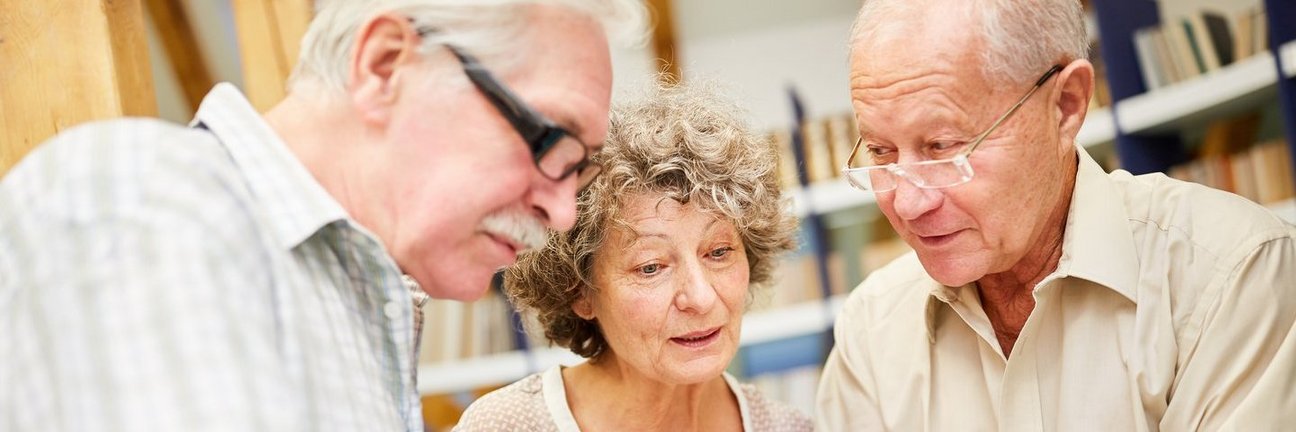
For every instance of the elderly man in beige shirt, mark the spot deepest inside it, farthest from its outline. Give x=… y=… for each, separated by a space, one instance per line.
x=1044 y=293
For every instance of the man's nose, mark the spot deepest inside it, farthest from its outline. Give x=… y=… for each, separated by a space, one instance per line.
x=554 y=202
x=911 y=201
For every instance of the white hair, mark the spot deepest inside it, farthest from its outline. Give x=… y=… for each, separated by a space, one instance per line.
x=488 y=29
x=1022 y=37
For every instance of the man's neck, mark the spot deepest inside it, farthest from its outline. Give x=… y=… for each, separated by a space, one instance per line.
x=1008 y=297
x=319 y=134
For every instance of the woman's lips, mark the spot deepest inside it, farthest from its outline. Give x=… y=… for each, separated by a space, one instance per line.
x=697 y=339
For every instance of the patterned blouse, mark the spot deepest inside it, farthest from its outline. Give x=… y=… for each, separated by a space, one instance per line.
x=539 y=403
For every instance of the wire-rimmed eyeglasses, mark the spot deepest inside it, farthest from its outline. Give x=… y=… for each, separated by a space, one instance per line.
x=558 y=154
x=930 y=174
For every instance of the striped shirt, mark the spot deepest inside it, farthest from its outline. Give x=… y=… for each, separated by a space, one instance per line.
x=157 y=277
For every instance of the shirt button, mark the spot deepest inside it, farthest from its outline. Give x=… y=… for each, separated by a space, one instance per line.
x=392 y=310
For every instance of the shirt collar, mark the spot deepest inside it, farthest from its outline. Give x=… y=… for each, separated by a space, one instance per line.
x=1097 y=244
x=295 y=206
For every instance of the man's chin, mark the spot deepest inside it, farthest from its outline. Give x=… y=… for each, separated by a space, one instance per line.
x=949 y=271
x=466 y=288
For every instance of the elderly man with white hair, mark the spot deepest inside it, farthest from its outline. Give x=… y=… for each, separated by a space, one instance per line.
x=260 y=272
x=1043 y=293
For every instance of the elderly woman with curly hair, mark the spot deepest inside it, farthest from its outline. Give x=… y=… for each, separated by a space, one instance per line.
x=652 y=282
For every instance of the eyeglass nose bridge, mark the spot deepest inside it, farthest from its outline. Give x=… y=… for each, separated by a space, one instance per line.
x=898 y=172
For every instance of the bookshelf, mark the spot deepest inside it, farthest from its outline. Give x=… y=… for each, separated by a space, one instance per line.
x=1147 y=124
x=1232 y=89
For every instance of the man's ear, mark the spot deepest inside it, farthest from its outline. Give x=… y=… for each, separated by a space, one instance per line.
x=1074 y=89
x=583 y=308
x=383 y=44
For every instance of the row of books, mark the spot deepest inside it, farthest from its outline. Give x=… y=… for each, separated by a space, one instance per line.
x=1262 y=173
x=454 y=330
x=1184 y=48
x=826 y=143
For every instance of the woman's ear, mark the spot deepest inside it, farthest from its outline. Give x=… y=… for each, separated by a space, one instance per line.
x=583 y=307
x=385 y=43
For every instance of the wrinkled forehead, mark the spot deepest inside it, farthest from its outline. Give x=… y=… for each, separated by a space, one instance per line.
x=917 y=35
x=567 y=73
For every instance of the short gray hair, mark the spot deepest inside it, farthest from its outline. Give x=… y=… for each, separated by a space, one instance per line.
x=486 y=28
x=1022 y=37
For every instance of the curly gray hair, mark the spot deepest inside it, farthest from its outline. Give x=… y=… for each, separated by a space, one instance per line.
x=682 y=143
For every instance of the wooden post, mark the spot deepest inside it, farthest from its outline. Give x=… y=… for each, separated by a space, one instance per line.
x=663 y=41
x=185 y=55
x=269 y=35
x=65 y=62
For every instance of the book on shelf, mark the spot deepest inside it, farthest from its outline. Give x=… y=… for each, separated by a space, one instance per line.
x=826 y=144
x=1183 y=48
x=1261 y=173
x=1101 y=97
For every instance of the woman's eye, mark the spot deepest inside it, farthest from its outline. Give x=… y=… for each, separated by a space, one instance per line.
x=721 y=252
x=649 y=269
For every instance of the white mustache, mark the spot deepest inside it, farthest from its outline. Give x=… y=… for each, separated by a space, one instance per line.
x=521 y=228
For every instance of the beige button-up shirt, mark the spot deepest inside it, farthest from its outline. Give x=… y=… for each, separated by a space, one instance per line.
x=1171 y=308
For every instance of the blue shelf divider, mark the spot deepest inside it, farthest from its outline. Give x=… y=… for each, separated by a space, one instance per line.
x=1117 y=21
x=1282 y=29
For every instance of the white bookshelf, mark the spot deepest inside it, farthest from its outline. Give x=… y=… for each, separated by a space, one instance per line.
x=758 y=327
x=1231 y=89
x=828 y=196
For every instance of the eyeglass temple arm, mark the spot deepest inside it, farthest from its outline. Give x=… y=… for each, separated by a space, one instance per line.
x=1039 y=83
x=523 y=119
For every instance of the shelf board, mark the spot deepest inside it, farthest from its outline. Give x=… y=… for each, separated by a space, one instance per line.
x=828 y=196
x=1098 y=128
x=790 y=321
x=490 y=370
x=758 y=327
x=1233 y=89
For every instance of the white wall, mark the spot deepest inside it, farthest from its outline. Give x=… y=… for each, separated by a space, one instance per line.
x=759 y=66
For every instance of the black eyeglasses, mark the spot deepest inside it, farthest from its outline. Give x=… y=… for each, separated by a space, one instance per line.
x=558 y=154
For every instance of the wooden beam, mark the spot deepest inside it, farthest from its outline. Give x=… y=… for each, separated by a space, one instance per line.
x=185 y=55
x=269 y=35
x=65 y=62
x=663 y=40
